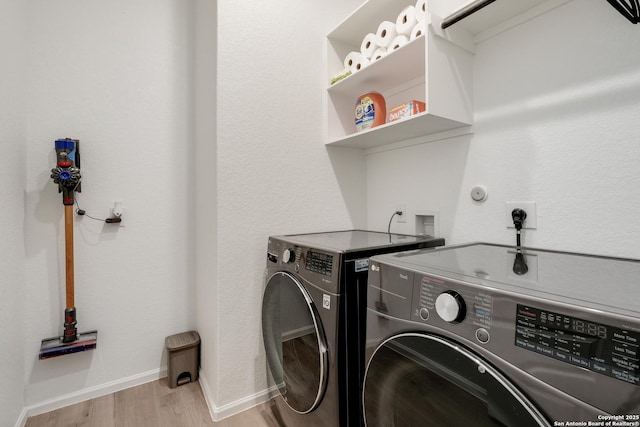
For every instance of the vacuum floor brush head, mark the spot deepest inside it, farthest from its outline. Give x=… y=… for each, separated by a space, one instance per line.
x=53 y=347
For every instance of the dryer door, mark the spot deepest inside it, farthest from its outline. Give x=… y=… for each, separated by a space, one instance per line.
x=424 y=380
x=294 y=342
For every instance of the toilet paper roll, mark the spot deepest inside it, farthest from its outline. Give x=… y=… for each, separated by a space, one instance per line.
x=417 y=31
x=360 y=63
x=406 y=21
x=353 y=61
x=368 y=45
x=398 y=42
x=386 y=33
x=421 y=10
x=378 y=54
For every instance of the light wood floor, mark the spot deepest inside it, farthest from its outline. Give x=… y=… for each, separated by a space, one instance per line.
x=151 y=405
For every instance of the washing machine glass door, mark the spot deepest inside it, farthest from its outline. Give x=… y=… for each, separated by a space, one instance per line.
x=424 y=380
x=294 y=342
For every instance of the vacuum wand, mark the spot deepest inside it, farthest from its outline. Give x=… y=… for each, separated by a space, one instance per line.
x=70 y=331
x=67 y=175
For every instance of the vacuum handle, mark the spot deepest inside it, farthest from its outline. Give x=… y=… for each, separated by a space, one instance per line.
x=68 y=242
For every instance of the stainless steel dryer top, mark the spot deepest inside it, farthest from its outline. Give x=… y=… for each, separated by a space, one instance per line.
x=357 y=241
x=596 y=282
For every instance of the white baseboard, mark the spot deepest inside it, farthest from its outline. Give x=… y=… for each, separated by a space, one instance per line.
x=221 y=412
x=92 y=392
x=22 y=419
x=217 y=412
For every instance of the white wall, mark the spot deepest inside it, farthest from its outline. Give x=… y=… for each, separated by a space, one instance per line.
x=557 y=102
x=274 y=174
x=118 y=76
x=12 y=175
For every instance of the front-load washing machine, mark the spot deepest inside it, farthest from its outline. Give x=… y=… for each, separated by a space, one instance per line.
x=491 y=335
x=313 y=318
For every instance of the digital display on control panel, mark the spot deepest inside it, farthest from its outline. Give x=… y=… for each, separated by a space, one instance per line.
x=599 y=348
x=319 y=262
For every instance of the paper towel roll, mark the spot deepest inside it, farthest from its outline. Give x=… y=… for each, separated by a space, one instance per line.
x=368 y=45
x=417 y=31
x=406 y=21
x=386 y=33
x=355 y=61
x=378 y=54
x=421 y=10
x=398 y=42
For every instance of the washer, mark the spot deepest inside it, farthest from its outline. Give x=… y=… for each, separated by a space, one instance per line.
x=313 y=318
x=491 y=335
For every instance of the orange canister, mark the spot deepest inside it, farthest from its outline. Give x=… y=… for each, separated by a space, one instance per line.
x=371 y=111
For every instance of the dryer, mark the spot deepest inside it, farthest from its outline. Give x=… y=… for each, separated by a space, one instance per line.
x=313 y=316
x=492 y=335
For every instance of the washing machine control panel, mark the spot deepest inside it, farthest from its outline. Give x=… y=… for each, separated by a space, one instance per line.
x=594 y=346
x=465 y=308
x=613 y=351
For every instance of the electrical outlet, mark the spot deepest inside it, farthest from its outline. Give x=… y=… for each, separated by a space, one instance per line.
x=529 y=207
x=117 y=209
x=401 y=207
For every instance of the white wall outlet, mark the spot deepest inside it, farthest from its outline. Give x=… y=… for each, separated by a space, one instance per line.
x=401 y=207
x=529 y=207
x=117 y=209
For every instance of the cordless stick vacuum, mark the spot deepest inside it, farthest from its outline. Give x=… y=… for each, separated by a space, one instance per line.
x=67 y=175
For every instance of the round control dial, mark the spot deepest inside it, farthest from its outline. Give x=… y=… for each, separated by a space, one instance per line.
x=451 y=307
x=289 y=256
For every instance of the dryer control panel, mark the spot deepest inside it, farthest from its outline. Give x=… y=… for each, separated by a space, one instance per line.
x=318 y=267
x=599 y=348
x=319 y=262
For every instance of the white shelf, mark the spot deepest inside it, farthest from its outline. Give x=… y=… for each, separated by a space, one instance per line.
x=429 y=69
x=396 y=69
x=417 y=126
x=435 y=69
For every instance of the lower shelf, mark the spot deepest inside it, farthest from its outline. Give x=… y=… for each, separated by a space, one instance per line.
x=417 y=126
